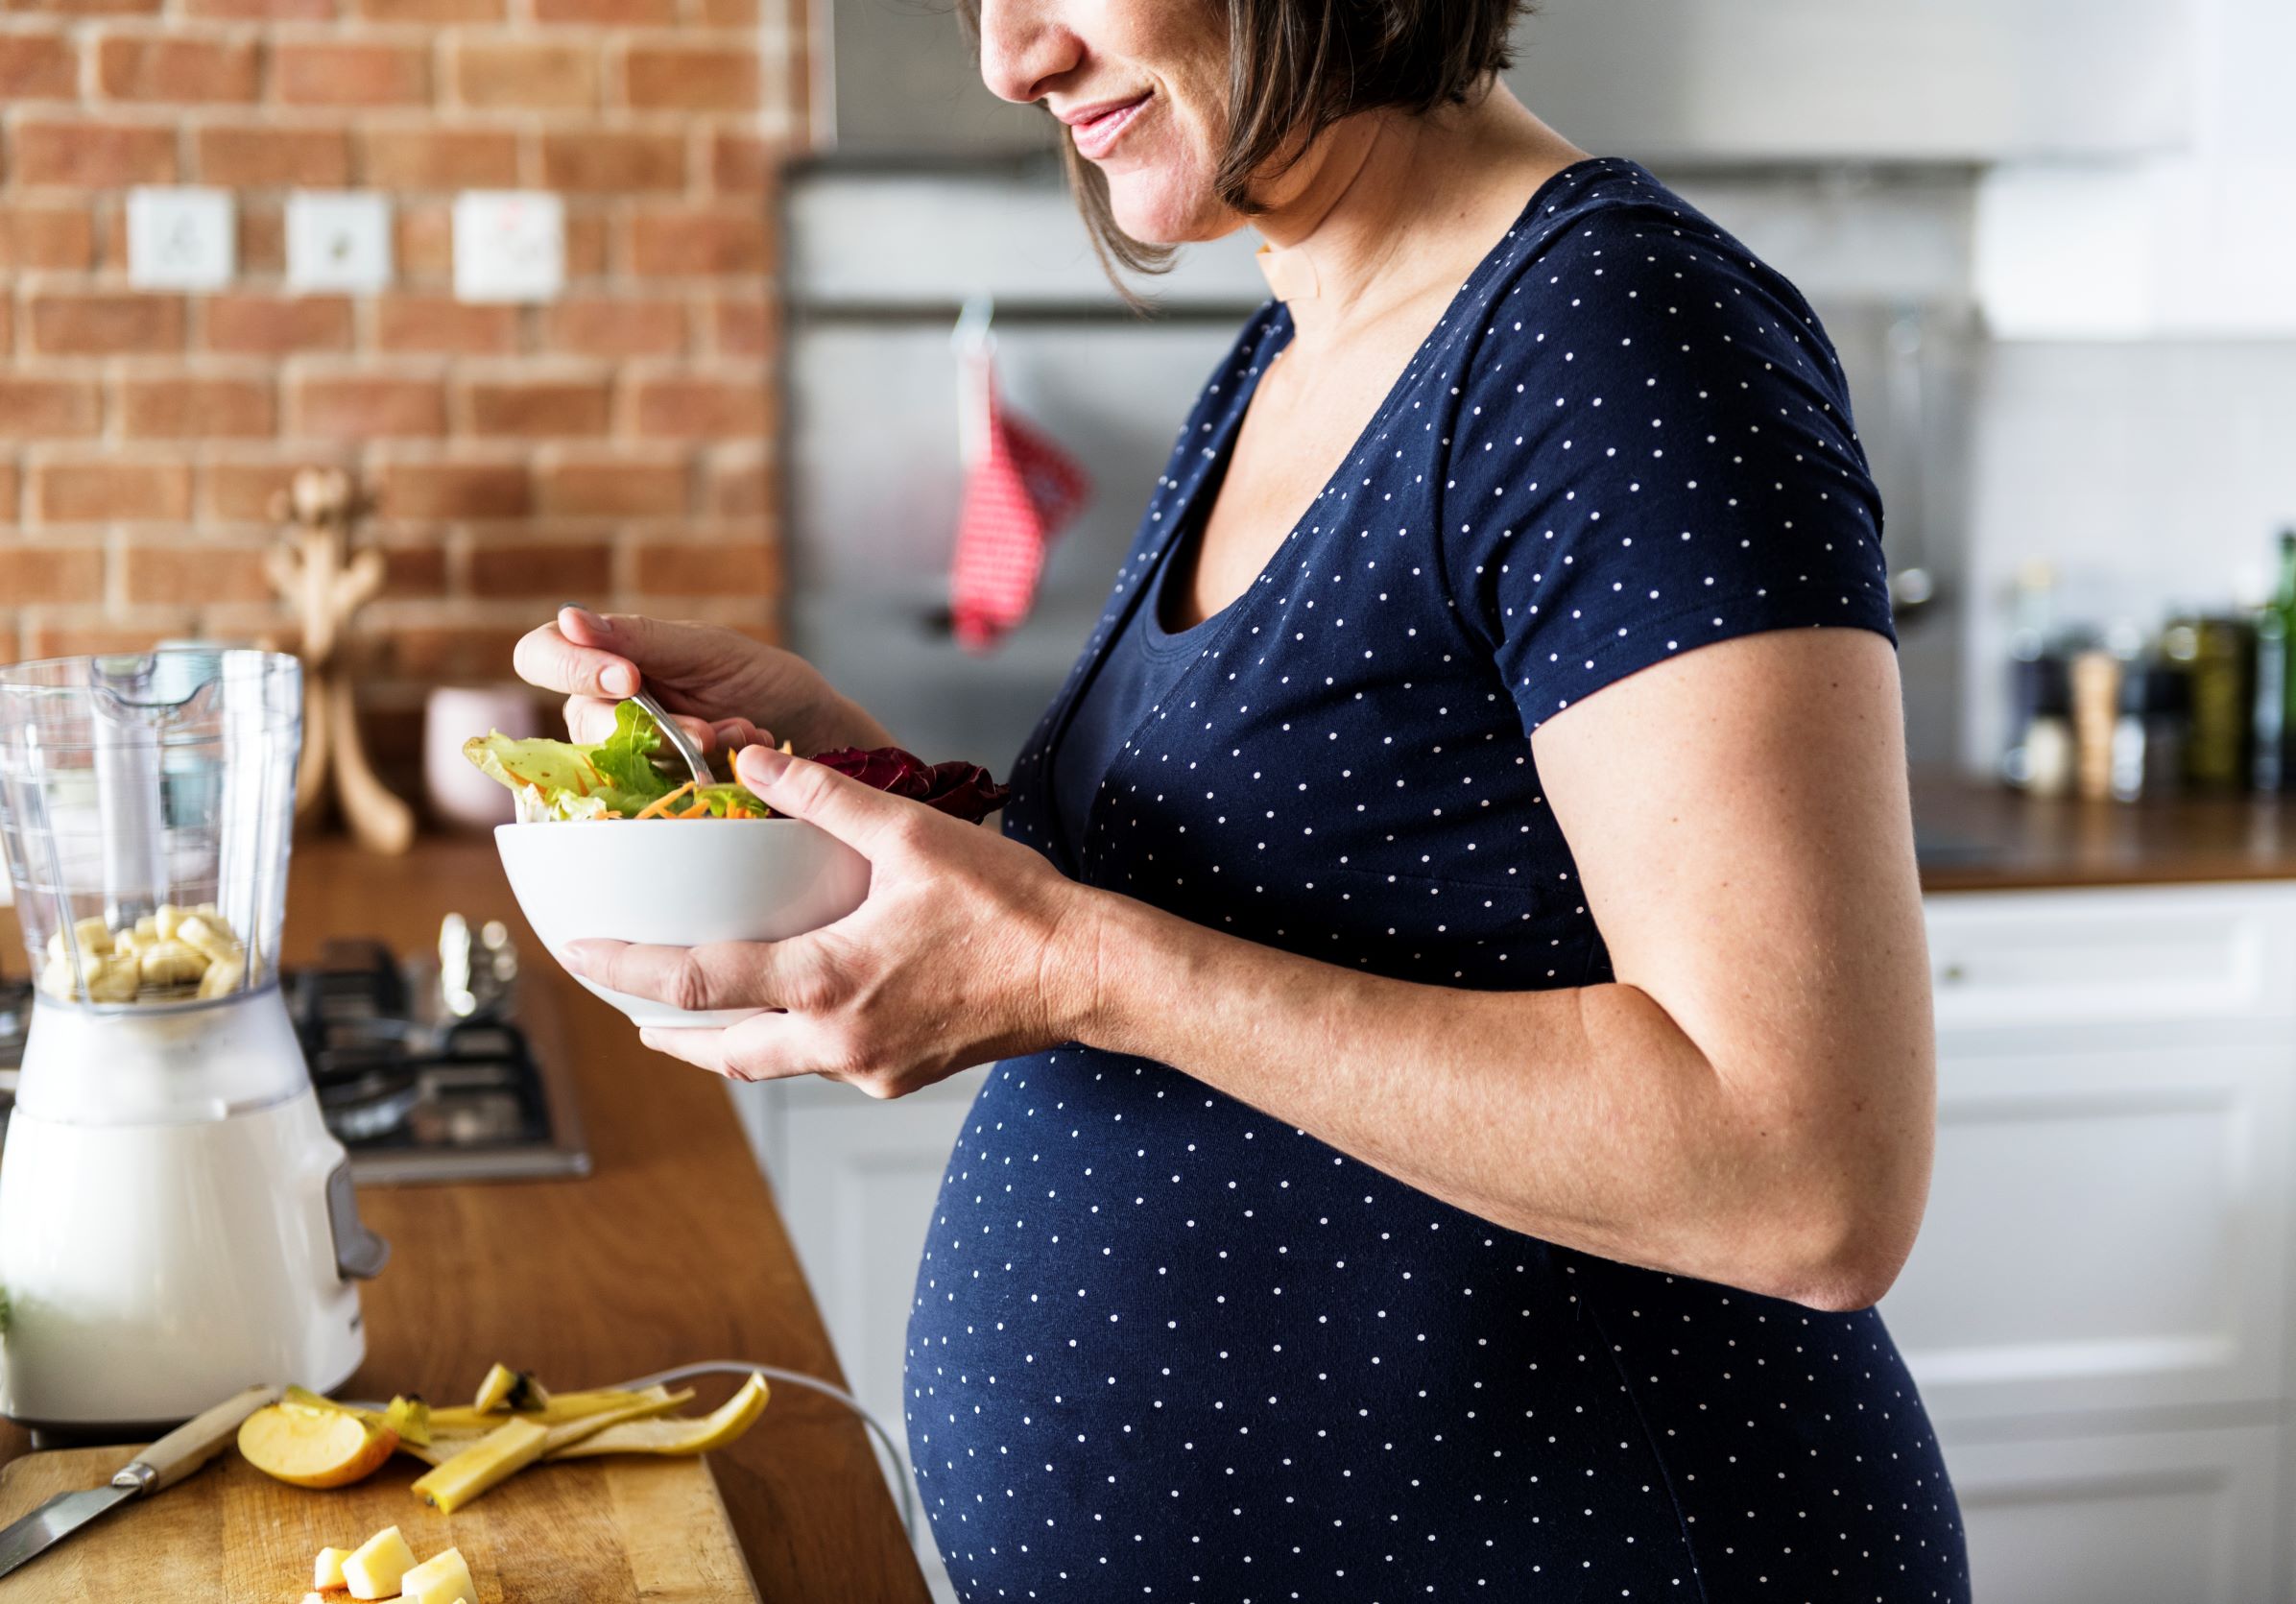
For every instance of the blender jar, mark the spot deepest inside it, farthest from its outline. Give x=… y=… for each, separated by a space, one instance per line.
x=146 y=807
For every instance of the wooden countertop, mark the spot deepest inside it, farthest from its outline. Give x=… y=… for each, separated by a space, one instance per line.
x=670 y=1252
x=1974 y=836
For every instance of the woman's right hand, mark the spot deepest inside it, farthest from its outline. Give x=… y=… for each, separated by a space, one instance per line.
x=728 y=689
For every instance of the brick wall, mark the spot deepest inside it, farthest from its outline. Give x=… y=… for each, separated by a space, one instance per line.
x=613 y=444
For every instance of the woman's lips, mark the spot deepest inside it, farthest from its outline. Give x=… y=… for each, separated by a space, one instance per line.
x=1097 y=135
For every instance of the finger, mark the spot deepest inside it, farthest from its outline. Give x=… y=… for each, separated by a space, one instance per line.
x=661 y=649
x=734 y=734
x=764 y=1048
x=859 y=815
x=697 y=979
x=546 y=657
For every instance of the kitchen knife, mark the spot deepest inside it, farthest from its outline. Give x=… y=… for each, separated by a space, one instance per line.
x=157 y=1468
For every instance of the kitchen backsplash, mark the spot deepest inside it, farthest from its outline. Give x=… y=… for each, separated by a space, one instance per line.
x=2149 y=476
x=613 y=445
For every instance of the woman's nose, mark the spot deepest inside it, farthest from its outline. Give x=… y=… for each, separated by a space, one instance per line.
x=1025 y=46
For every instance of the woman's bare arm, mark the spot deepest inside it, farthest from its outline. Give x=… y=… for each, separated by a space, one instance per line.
x=1751 y=1101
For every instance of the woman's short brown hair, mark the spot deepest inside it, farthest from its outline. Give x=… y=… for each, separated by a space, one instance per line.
x=1295 y=67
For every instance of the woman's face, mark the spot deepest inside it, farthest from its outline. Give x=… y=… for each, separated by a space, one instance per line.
x=1141 y=86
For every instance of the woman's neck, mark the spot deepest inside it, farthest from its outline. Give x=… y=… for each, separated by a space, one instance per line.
x=1391 y=206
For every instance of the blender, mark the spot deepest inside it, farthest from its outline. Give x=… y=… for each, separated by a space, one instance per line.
x=175 y=1222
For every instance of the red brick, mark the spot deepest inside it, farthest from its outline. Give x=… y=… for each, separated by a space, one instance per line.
x=742 y=163
x=244 y=490
x=272 y=157
x=683 y=244
x=500 y=572
x=331 y=74
x=430 y=11
x=591 y=488
x=413 y=571
x=612 y=14
x=106 y=325
x=530 y=407
x=177 y=70
x=33 y=574
x=62 y=238
x=443 y=323
x=744 y=567
x=94 y=155
x=441 y=158
x=12 y=495
x=545 y=76
x=196 y=572
x=262 y=237
x=596 y=325
x=455 y=490
x=447 y=652
x=107 y=491
x=689 y=78
x=38 y=67
x=359 y=406
x=272 y=325
x=610 y=161
x=275 y=11
x=743 y=326
x=197 y=409
x=588 y=236
x=741 y=487
x=423 y=241
x=729 y=14
x=7 y=325
x=83 y=8
x=686 y=408
x=42 y=408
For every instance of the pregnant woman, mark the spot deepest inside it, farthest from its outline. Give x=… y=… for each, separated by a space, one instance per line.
x=1454 y=952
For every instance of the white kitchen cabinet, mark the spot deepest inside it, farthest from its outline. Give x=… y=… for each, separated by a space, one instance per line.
x=2096 y=1310
x=2151 y=1517
x=1952 y=81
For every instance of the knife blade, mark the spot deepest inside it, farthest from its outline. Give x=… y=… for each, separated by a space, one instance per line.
x=157 y=1468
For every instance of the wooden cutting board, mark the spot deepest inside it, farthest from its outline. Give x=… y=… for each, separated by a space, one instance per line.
x=588 y=1531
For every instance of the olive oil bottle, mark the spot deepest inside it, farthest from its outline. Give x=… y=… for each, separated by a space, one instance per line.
x=2272 y=763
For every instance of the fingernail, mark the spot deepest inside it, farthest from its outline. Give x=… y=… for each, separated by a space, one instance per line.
x=590 y=620
x=759 y=765
x=619 y=680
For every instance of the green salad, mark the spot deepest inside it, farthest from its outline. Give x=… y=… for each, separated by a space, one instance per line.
x=617 y=778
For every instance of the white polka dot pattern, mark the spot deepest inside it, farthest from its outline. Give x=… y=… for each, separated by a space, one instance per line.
x=1166 y=1346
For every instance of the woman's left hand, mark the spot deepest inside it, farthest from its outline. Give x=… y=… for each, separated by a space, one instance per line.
x=967 y=948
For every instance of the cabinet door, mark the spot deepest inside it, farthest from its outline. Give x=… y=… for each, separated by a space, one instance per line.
x=2146 y=1518
x=1933 y=79
x=2107 y=1229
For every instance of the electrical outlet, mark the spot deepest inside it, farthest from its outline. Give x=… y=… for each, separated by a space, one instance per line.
x=337 y=239
x=181 y=239
x=510 y=245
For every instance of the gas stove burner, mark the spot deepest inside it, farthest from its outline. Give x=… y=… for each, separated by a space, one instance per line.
x=414 y=1090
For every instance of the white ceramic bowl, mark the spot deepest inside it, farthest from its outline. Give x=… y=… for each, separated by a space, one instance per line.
x=676 y=882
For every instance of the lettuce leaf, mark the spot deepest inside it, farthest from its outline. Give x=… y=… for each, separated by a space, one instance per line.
x=561 y=781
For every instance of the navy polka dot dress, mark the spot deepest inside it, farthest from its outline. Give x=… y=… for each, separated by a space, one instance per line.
x=1166 y=1346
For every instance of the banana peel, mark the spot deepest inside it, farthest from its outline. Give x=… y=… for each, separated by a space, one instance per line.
x=476 y=1467
x=678 y=1436
x=455 y=1437
x=407 y=1418
x=561 y=1407
x=517 y=1390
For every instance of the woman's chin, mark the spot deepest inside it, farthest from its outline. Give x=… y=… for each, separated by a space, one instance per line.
x=1154 y=212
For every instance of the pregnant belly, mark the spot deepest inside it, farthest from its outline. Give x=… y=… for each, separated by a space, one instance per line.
x=1158 y=1338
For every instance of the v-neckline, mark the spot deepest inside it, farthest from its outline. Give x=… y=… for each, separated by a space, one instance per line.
x=1212 y=468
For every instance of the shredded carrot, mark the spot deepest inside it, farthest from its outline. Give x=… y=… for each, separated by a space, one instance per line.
x=700 y=811
x=661 y=805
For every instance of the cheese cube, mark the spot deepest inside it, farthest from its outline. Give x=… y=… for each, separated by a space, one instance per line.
x=442 y=1579
x=374 y=1567
x=327 y=1570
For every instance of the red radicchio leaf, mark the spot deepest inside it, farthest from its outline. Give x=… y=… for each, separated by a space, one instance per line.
x=964 y=790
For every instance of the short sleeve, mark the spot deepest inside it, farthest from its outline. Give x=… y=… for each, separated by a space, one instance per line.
x=1653 y=451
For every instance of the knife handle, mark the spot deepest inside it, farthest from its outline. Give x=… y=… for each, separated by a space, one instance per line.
x=192 y=1443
